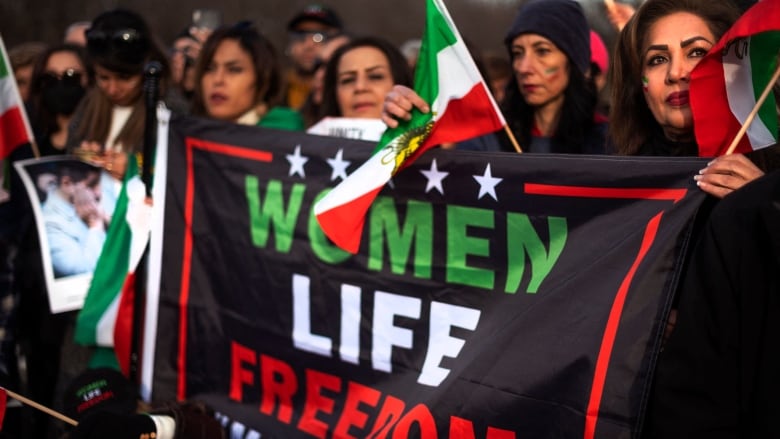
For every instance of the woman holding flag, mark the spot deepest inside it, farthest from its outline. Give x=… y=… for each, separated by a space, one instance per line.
x=651 y=76
x=551 y=105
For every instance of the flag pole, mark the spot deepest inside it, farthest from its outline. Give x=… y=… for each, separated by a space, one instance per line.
x=512 y=139
x=152 y=74
x=41 y=407
x=754 y=111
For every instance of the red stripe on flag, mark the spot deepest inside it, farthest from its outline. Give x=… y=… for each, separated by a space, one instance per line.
x=465 y=118
x=12 y=131
x=344 y=224
x=123 y=328
x=3 y=405
x=714 y=123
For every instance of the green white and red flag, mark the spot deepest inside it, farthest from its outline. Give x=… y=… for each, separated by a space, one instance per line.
x=727 y=83
x=14 y=126
x=461 y=108
x=107 y=316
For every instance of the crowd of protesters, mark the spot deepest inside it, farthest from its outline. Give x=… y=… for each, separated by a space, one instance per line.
x=84 y=96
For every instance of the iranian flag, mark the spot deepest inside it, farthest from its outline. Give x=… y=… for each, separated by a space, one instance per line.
x=461 y=108
x=14 y=127
x=106 y=318
x=727 y=84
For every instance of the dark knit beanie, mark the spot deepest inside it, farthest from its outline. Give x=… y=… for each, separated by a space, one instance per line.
x=560 y=21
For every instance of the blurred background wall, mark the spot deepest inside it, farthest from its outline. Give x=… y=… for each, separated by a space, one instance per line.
x=483 y=22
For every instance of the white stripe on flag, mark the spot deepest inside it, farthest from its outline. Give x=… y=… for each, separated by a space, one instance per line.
x=738 y=75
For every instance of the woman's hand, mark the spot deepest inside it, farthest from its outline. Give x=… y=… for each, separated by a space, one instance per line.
x=115 y=163
x=726 y=174
x=399 y=104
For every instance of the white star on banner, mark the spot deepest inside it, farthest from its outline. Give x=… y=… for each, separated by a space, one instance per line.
x=487 y=184
x=339 y=166
x=434 y=177
x=296 y=162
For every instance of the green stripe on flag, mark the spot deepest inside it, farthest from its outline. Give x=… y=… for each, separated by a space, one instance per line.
x=111 y=269
x=438 y=35
x=3 y=68
x=763 y=57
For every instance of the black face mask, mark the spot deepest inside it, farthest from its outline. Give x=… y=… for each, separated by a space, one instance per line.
x=62 y=97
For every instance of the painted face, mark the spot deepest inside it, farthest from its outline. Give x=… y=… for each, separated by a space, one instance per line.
x=363 y=80
x=121 y=89
x=674 y=45
x=229 y=83
x=541 y=70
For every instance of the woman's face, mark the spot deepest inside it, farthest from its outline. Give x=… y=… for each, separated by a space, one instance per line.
x=362 y=81
x=121 y=88
x=541 y=70
x=674 y=45
x=229 y=82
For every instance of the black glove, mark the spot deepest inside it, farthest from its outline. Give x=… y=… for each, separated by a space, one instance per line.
x=102 y=424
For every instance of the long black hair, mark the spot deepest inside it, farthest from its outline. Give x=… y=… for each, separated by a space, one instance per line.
x=575 y=122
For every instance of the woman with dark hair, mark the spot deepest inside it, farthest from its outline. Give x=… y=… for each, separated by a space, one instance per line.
x=653 y=60
x=59 y=82
x=110 y=122
x=359 y=75
x=238 y=79
x=551 y=104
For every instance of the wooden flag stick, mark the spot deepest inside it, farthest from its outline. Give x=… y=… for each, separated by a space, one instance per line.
x=512 y=139
x=754 y=111
x=40 y=407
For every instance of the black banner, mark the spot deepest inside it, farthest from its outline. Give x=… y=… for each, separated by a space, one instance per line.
x=494 y=296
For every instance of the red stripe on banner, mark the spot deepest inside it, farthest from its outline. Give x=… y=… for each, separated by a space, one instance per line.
x=610 y=333
x=457 y=122
x=3 y=405
x=601 y=192
x=13 y=133
x=613 y=321
x=343 y=225
x=186 y=266
x=229 y=150
x=123 y=328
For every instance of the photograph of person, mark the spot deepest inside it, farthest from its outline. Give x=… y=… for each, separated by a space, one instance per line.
x=66 y=195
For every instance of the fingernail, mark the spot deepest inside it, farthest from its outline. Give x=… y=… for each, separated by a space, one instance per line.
x=711 y=162
x=697 y=177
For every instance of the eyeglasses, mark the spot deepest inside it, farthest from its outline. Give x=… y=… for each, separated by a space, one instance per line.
x=68 y=77
x=127 y=43
x=317 y=37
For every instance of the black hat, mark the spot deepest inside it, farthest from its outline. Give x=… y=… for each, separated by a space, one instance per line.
x=100 y=389
x=318 y=13
x=119 y=40
x=561 y=21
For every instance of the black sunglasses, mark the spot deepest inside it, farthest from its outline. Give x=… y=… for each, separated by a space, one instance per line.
x=68 y=77
x=124 y=41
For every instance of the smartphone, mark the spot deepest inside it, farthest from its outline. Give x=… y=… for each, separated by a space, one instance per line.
x=206 y=18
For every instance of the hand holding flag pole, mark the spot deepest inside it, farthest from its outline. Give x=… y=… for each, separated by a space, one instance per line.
x=754 y=111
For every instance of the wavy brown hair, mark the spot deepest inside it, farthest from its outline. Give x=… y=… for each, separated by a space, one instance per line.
x=631 y=122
